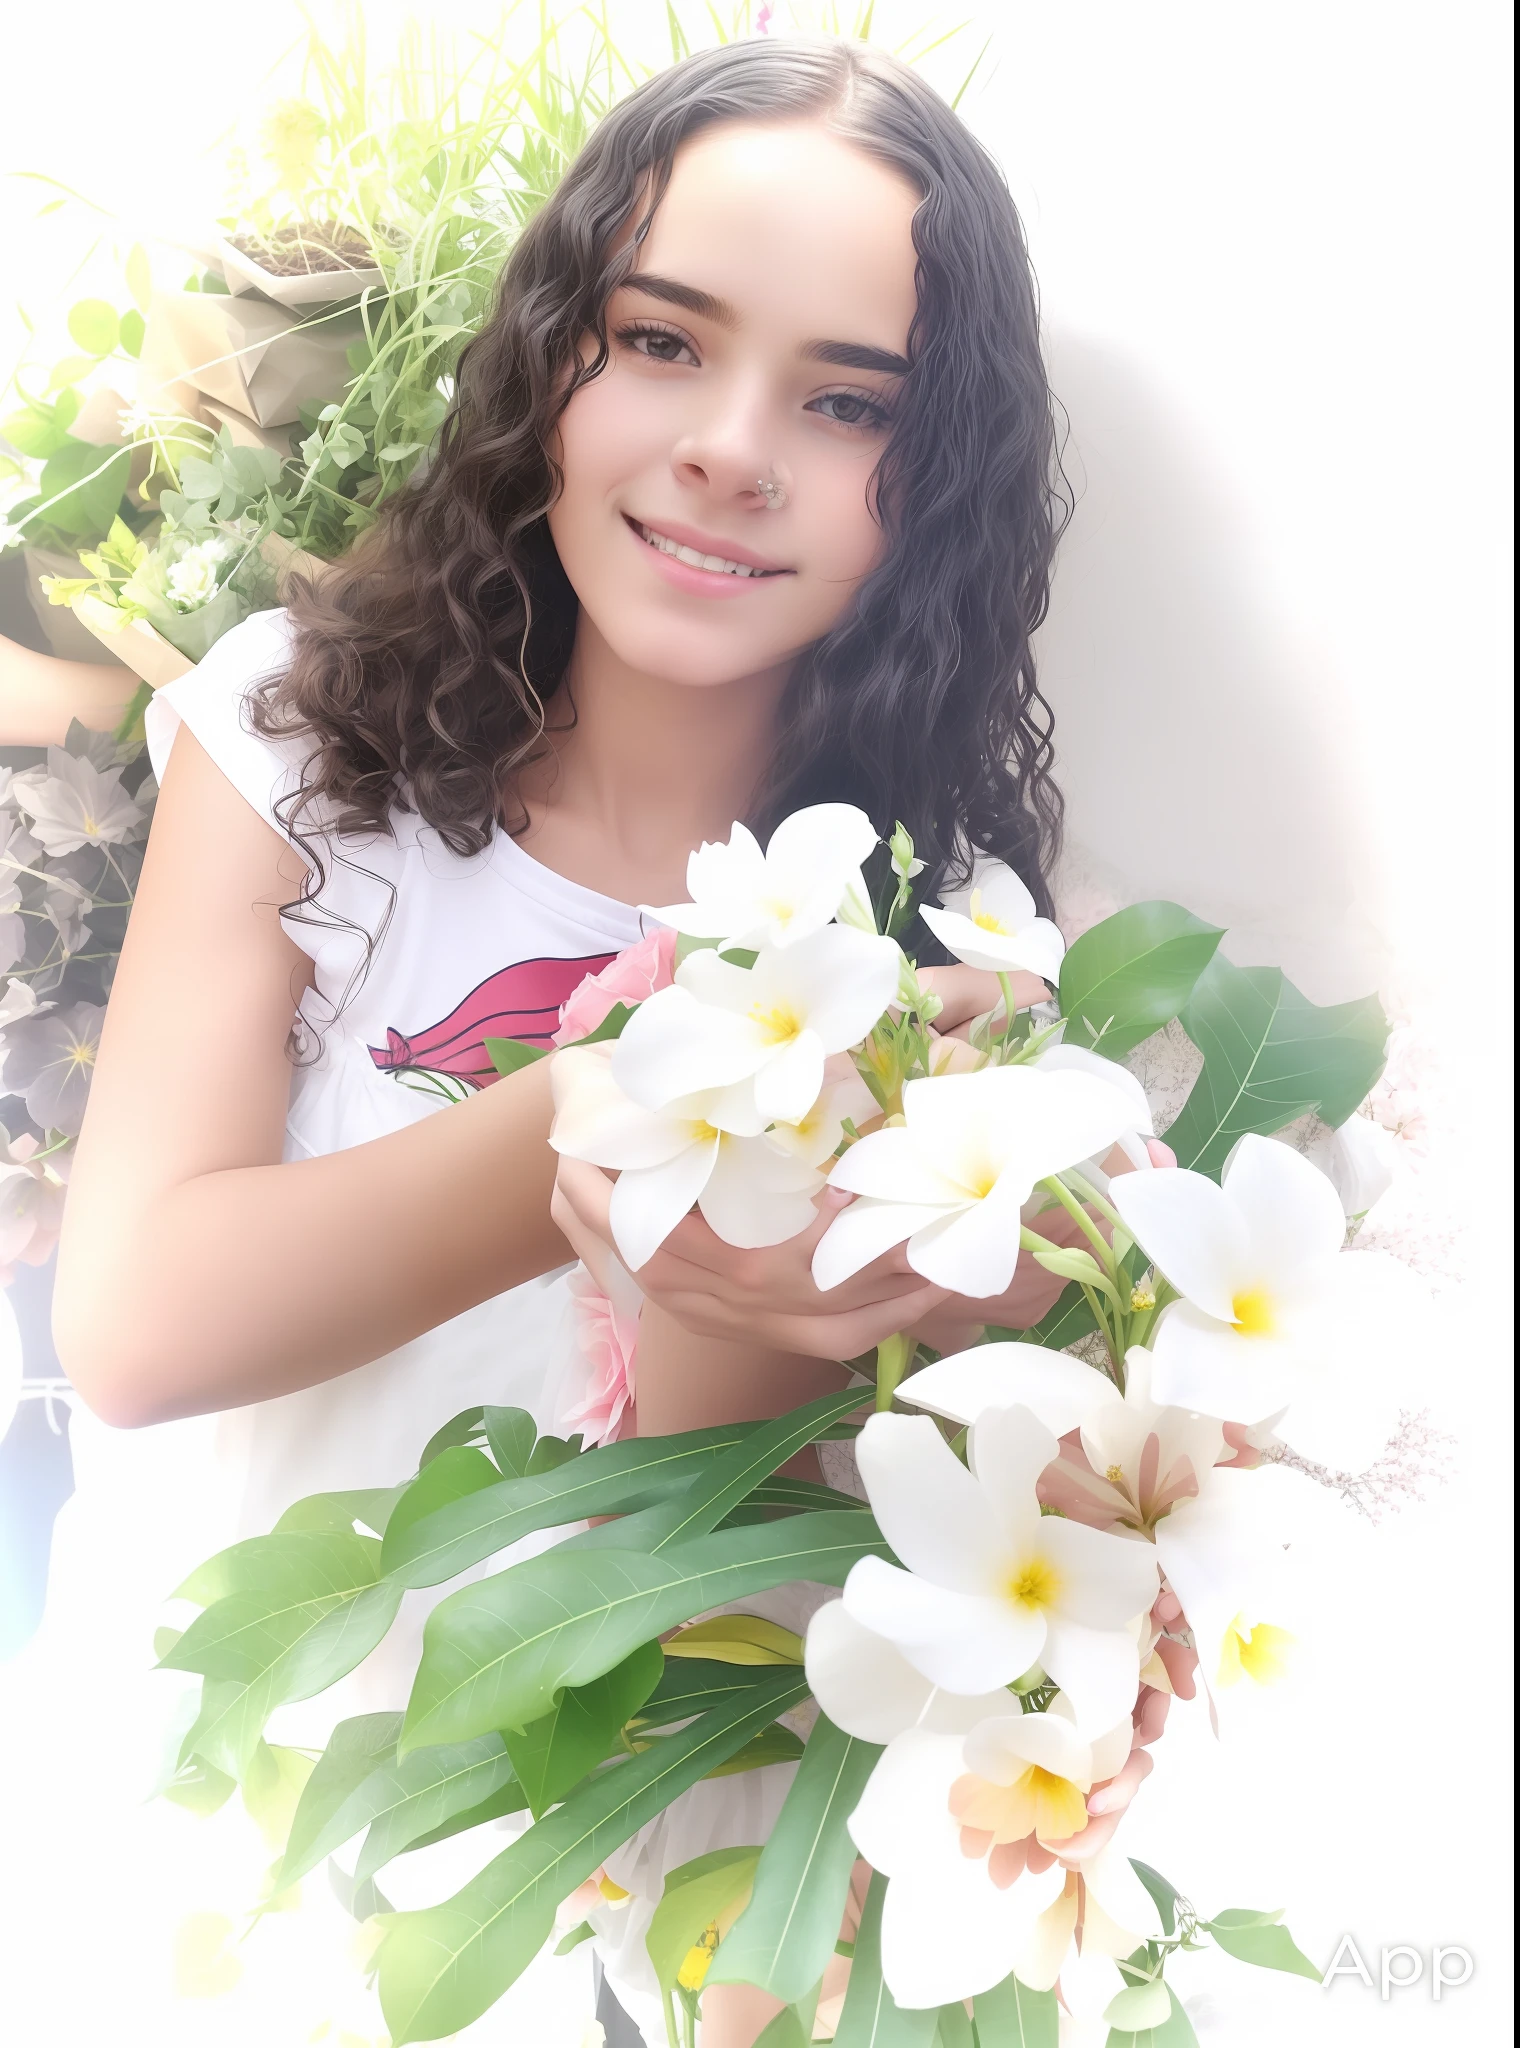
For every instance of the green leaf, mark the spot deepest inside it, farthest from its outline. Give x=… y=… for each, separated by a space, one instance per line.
x=871 y=2017
x=510 y=1055
x=691 y=1687
x=1130 y=975
x=87 y=482
x=585 y=1932
x=773 y=1745
x=69 y=370
x=1269 y=1054
x=511 y=1433
x=454 y=1474
x=786 y=1935
x=322 y=1821
x=1069 y=1320
x=442 y=1968
x=200 y=1788
x=612 y=1480
x=1162 y=1890
x=37 y=431
x=1139 y=2008
x=508 y=1798
x=416 y=1798
x=496 y=1652
x=611 y=1026
x=336 y=1513
x=1176 y=2032
x=955 y=2028
x=696 y=1894
x=364 y=1901
x=1257 y=1938
x=134 y=331
x=93 y=326
x=556 y=1751
x=1010 y=2015
x=464 y=1428
x=550 y=1452
x=735 y=1475
x=785 y=2031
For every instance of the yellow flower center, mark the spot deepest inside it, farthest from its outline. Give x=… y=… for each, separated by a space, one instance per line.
x=89 y=824
x=81 y=1055
x=1254 y=1313
x=1259 y=1653
x=612 y=1893
x=1142 y=1298
x=780 y=1024
x=1038 y=1802
x=984 y=919
x=1114 y=1474
x=1035 y=1586
x=703 y=1133
x=698 y=1958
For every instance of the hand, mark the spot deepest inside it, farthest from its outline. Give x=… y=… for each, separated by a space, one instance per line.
x=969 y=992
x=765 y=1297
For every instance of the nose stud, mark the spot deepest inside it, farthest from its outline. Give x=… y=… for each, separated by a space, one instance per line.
x=773 y=493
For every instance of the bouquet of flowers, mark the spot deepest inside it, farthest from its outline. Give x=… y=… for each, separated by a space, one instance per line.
x=1061 y=1531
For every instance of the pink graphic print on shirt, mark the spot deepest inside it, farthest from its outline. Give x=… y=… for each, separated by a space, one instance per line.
x=523 y=1002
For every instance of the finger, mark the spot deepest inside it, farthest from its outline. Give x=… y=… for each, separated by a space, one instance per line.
x=1116 y=1795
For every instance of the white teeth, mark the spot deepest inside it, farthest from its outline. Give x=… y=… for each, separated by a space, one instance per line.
x=697 y=559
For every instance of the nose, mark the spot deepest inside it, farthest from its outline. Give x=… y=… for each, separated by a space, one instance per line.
x=731 y=449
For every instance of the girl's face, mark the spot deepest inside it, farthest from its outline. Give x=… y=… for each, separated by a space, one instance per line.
x=762 y=337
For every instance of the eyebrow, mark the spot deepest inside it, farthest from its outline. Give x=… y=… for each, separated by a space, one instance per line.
x=845 y=355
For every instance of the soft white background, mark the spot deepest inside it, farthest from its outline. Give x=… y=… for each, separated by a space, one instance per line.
x=1273 y=247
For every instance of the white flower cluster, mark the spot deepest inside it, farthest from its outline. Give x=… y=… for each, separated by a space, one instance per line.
x=735 y=1087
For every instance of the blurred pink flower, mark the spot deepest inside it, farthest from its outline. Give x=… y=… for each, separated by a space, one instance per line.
x=637 y=972
x=609 y=1341
x=31 y=1210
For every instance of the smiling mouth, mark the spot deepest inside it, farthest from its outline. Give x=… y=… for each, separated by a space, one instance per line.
x=694 y=558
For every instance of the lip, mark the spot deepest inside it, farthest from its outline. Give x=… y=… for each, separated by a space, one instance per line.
x=706 y=544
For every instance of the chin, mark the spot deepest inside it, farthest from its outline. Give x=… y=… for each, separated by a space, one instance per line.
x=693 y=660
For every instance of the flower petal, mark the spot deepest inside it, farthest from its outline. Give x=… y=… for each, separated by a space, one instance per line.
x=1001 y=1748
x=1009 y=1449
x=1076 y=1059
x=1097 y=1669
x=647 y=1204
x=1126 y=1912
x=891 y=1167
x=1292 y=1215
x=790 y=1081
x=931 y=1510
x=869 y=1689
x=674 y=1045
x=1059 y=1389
x=973 y=1251
x=1212 y=1368
x=1107 y=1580
x=948 y=1933
x=959 y=1641
x=1190 y=1229
x=862 y=1233
x=746 y=1199
x=594 y=1120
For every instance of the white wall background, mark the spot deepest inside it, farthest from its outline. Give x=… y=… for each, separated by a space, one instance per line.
x=1273 y=246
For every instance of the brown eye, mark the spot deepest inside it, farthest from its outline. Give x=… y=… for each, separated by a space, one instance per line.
x=851 y=409
x=659 y=344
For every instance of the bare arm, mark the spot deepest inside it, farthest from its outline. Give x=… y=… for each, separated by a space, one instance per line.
x=39 y=694
x=197 y=1271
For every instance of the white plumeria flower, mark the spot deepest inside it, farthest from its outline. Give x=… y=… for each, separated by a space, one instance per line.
x=1116 y=1914
x=704 y=1149
x=772 y=1025
x=1273 y=1319
x=953 y=1177
x=992 y=923
x=1147 y=1468
x=816 y=1137
x=72 y=803
x=867 y=1687
x=749 y=898
x=1075 y=1059
x=993 y=1588
x=958 y=1914
x=1360 y=1161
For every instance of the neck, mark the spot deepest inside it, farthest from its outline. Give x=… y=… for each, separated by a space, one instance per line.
x=653 y=766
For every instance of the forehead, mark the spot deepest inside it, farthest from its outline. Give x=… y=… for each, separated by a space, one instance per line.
x=799 y=229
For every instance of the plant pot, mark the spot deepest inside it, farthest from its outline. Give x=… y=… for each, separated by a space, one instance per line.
x=256 y=359
x=67 y=636
x=246 y=275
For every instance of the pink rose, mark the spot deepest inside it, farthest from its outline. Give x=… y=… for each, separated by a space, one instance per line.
x=609 y=1341
x=632 y=977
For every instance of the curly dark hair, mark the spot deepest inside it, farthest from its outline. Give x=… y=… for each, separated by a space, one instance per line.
x=423 y=664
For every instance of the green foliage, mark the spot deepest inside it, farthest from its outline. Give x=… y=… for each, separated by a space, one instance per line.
x=496 y=1652
x=709 y=1888
x=581 y=1729
x=1258 y=1938
x=1131 y=974
x=327 y=1815
x=511 y=1055
x=871 y=2017
x=786 y=1935
x=1162 y=1890
x=1010 y=2015
x=1174 y=2032
x=1269 y=1054
x=442 y=1968
x=80 y=487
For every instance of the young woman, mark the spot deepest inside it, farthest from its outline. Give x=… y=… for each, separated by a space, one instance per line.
x=746 y=500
